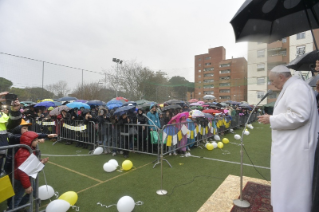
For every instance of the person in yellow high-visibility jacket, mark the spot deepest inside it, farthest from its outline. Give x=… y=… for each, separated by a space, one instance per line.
x=8 y=122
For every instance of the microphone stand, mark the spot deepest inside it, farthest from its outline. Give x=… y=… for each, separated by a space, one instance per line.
x=161 y=191
x=241 y=202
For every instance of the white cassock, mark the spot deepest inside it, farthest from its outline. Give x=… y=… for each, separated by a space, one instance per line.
x=294 y=139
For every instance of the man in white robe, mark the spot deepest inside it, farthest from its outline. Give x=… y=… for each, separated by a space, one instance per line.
x=294 y=125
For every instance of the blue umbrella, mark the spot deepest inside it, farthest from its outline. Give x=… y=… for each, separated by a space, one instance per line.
x=67 y=98
x=113 y=104
x=45 y=104
x=95 y=102
x=129 y=102
x=122 y=110
x=78 y=105
x=57 y=103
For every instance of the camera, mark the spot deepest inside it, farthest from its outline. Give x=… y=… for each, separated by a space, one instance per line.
x=10 y=97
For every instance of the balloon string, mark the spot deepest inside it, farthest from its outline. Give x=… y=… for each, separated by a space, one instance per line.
x=108 y=206
x=77 y=208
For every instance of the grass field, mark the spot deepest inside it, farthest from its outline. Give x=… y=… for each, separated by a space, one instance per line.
x=85 y=175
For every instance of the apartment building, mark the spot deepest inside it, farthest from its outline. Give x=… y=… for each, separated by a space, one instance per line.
x=226 y=79
x=263 y=57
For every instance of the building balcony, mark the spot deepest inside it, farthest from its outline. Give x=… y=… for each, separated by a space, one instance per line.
x=275 y=59
x=274 y=45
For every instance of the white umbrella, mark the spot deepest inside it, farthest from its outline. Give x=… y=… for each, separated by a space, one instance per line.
x=209 y=97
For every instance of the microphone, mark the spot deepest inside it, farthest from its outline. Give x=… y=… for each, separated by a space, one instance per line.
x=267 y=94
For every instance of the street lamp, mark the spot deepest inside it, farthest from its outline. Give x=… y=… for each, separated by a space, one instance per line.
x=117 y=61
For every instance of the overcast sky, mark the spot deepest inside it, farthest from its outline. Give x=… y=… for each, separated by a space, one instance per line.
x=162 y=35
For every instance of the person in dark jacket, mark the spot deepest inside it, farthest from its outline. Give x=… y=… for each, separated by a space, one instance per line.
x=22 y=183
x=104 y=128
x=142 y=133
x=124 y=136
x=89 y=121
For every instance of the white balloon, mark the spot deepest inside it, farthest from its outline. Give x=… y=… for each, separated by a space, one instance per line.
x=114 y=162
x=98 y=151
x=231 y=130
x=237 y=137
x=45 y=192
x=214 y=144
x=125 y=204
x=246 y=132
x=109 y=167
x=216 y=137
x=58 y=205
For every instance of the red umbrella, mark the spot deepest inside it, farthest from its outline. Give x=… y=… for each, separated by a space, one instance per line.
x=178 y=117
x=193 y=100
x=121 y=98
x=211 y=111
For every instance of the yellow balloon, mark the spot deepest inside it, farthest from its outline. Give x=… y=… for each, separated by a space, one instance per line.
x=225 y=140
x=210 y=146
x=220 y=145
x=70 y=196
x=127 y=165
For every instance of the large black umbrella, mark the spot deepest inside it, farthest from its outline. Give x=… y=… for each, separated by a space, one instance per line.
x=171 y=107
x=123 y=110
x=174 y=101
x=96 y=102
x=306 y=62
x=272 y=20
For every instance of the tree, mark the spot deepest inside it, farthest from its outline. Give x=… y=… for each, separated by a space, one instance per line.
x=5 y=84
x=90 y=91
x=181 y=86
x=37 y=93
x=22 y=93
x=60 y=89
x=135 y=81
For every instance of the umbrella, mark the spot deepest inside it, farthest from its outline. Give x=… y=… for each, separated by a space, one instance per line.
x=209 y=116
x=171 y=107
x=122 y=110
x=174 y=101
x=211 y=111
x=129 y=102
x=26 y=103
x=67 y=98
x=196 y=107
x=193 y=100
x=197 y=113
x=195 y=104
x=81 y=100
x=269 y=21
x=245 y=106
x=122 y=99
x=78 y=105
x=57 y=103
x=45 y=104
x=313 y=80
x=223 y=104
x=209 y=97
x=96 y=102
x=141 y=101
x=178 y=117
x=306 y=62
x=47 y=100
x=56 y=111
x=113 y=104
x=201 y=102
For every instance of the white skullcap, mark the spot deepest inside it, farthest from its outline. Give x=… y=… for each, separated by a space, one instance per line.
x=280 y=69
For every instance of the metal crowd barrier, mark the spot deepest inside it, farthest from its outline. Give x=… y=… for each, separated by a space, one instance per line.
x=34 y=183
x=137 y=137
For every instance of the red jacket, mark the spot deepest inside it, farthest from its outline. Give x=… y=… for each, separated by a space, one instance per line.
x=21 y=155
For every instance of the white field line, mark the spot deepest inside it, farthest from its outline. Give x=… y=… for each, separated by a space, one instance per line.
x=226 y=161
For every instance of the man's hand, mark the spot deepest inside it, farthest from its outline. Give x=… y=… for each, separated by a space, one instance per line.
x=52 y=135
x=41 y=140
x=264 y=119
x=2 y=94
x=44 y=160
x=29 y=190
